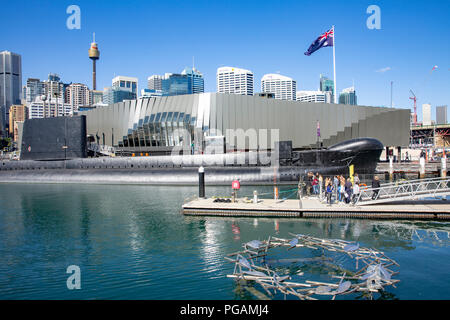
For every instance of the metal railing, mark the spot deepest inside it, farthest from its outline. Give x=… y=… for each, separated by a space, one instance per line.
x=404 y=190
x=102 y=149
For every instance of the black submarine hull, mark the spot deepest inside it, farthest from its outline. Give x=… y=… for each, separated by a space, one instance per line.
x=220 y=169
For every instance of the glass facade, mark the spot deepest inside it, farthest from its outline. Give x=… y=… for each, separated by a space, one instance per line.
x=176 y=84
x=348 y=96
x=113 y=95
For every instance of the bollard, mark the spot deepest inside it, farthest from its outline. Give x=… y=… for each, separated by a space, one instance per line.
x=391 y=168
x=444 y=166
x=422 y=168
x=255 y=197
x=201 y=182
x=275 y=193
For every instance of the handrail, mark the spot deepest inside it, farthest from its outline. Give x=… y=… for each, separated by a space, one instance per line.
x=405 y=190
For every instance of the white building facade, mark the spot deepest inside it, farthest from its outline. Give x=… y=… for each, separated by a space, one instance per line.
x=234 y=80
x=126 y=83
x=314 y=96
x=284 y=88
x=47 y=108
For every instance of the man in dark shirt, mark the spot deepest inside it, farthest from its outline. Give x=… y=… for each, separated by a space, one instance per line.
x=348 y=190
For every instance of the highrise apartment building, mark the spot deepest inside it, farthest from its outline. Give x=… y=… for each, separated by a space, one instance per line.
x=284 y=88
x=78 y=95
x=314 y=96
x=17 y=113
x=155 y=82
x=234 y=80
x=10 y=85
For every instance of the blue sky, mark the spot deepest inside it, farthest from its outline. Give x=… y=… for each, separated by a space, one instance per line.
x=141 y=38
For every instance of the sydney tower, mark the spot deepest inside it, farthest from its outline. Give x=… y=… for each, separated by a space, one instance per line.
x=94 y=54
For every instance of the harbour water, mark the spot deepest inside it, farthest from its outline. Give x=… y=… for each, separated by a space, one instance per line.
x=132 y=242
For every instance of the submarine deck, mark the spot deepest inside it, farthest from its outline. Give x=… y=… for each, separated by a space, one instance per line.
x=313 y=208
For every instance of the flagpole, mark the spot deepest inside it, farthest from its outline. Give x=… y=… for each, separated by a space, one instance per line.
x=334 y=65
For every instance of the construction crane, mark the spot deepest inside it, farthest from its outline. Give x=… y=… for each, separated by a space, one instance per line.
x=415 y=106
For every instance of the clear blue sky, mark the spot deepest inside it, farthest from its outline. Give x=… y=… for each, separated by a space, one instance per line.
x=141 y=38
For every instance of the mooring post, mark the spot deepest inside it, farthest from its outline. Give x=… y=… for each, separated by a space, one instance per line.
x=201 y=182
x=255 y=197
x=444 y=166
x=391 y=168
x=422 y=167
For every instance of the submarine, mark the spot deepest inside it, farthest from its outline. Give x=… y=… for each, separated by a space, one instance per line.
x=281 y=165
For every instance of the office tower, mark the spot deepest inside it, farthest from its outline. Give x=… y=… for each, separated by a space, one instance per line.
x=314 y=96
x=441 y=115
x=176 y=84
x=10 y=85
x=155 y=82
x=126 y=83
x=117 y=94
x=77 y=95
x=17 y=113
x=94 y=55
x=283 y=87
x=234 y=80
x=196 y=80
x=426 y=114
x=348 y=96
x=32 y=89
x=327 y=85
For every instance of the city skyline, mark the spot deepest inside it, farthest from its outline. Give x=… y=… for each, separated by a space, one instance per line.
x=388 y=54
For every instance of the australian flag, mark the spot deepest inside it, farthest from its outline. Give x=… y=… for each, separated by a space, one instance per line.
x=324 y=40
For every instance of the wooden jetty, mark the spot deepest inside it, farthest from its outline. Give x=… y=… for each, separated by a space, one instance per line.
x=312 y=207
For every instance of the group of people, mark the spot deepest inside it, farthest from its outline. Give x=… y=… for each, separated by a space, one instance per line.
x=343 y=189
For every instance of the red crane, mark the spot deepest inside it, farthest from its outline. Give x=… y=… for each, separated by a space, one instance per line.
x=415 y=107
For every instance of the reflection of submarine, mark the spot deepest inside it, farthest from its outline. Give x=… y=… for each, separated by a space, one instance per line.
x=249 y=167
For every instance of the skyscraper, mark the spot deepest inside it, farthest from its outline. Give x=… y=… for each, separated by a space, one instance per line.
x=175 y=84
x=77 y=95
x=234 y=80
x=33 y=88
x=197 y=81
x=441 y=115
x=426 y=114
x=327 y=85
x=348 y=96
x=10 y=85
x=155 y=82
x=283 y=87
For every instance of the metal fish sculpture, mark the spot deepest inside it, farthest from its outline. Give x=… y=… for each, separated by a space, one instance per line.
x=255 y=244
x=351 y=247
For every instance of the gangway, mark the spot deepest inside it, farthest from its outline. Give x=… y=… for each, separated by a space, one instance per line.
x=404 y=190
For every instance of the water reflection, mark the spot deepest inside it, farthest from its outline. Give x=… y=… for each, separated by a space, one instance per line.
x=131 y=242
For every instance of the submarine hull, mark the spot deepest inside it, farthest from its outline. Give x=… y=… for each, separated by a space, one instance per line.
x=220 y=169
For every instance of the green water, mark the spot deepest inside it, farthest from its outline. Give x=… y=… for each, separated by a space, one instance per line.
x=132 y=242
